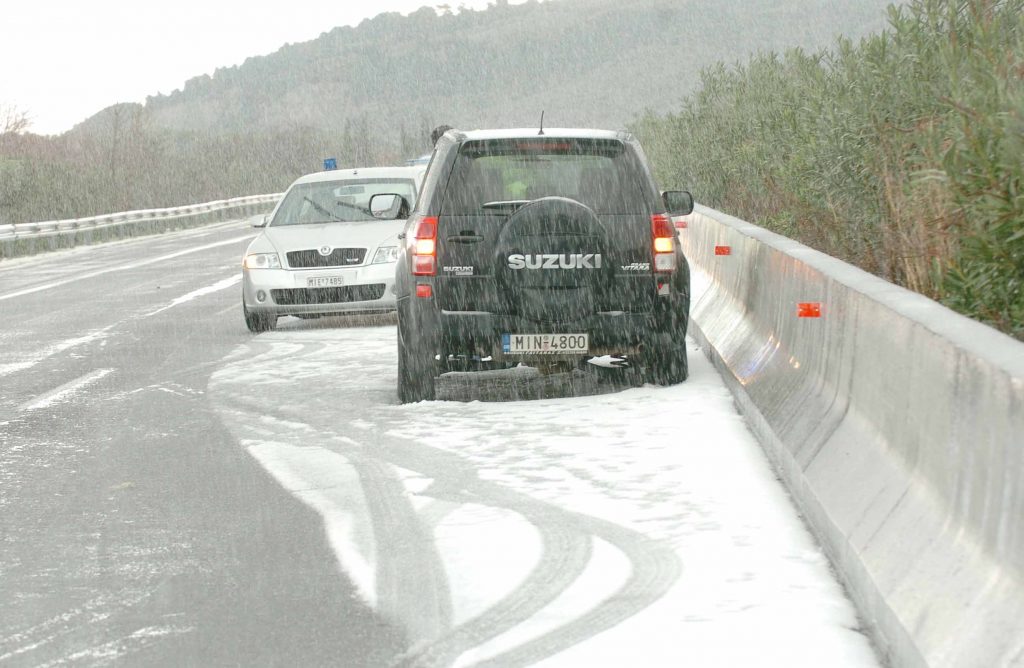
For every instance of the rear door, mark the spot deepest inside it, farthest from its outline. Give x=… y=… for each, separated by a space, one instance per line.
x=491 y=179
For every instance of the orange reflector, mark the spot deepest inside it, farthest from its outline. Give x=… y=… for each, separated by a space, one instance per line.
x=723 y=250
x=808 y=310
x=424 y=291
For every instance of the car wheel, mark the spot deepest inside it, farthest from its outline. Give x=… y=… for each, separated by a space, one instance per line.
x=259 y=322
x=669 y=366
x=415 y=367
x=667 y=363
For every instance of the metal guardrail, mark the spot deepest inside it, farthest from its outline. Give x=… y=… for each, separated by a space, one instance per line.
x=74 y=225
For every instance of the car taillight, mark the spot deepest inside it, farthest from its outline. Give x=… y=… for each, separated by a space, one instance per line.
x=664 y=233
x=424 y=252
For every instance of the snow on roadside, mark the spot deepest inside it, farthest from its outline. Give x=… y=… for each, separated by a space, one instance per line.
x=677 y=465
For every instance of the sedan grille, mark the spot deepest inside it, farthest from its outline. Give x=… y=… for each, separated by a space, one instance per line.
x=339 y=257
x=349 y=293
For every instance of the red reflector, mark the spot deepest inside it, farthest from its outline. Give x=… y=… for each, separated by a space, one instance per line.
x=426 y=228
x=681 y=224
x=424 y=291
x=661 y=227
x=543 y=146
x=808 y=310
x=723 y=250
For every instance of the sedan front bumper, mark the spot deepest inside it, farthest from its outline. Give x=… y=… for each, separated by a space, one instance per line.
x=321 y=291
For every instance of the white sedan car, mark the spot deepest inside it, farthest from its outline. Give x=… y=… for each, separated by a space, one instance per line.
x=330 y=246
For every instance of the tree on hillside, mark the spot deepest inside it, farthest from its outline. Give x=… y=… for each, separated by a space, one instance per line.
x=13 y=120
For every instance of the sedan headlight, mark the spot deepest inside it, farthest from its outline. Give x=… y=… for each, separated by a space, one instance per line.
x=262 y=261
x=385 y=254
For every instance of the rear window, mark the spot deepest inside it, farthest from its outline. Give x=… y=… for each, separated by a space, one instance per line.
x=594 y=172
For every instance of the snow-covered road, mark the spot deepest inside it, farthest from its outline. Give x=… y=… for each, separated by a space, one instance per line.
x=601 y=527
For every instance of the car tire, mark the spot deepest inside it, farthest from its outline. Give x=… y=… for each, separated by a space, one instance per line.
x=415 y=367
x=670 y=366
x=553 y=225
x=259 y=322
x=667 y=362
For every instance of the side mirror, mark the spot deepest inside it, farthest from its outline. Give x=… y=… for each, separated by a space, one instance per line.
x=678 y=202
x=261 y=221
x=389 y=206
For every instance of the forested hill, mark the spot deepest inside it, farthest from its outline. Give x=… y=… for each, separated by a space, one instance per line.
x=369 y=95
x=586 y=62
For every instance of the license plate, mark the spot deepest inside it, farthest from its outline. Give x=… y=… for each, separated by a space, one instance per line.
x=545 y=344
x=324 y=281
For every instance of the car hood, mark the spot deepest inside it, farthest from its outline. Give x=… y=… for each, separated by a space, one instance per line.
x=369 y=235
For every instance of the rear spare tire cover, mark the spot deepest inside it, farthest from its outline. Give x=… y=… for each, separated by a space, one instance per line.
x=550 y=260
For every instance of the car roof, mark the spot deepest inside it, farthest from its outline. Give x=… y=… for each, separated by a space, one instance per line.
x=521 y=133
x=414 y=172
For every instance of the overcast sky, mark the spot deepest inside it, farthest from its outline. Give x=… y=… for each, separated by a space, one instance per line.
x=63 y=60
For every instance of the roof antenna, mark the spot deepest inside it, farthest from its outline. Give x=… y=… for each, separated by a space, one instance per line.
x=541 y=122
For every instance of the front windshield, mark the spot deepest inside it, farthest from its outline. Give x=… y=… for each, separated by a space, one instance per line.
x=337 y=201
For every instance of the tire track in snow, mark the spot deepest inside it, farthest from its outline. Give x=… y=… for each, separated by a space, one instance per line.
x=564 y=558
x=567 y=549
x=401 y=550
x=410 y=582
x=655 y=569
x=408 y=549
x=567 y=537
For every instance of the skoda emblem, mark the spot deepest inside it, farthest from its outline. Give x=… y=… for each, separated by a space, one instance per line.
x=324 y=250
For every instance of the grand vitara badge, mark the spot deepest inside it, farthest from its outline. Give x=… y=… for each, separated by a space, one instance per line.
x=555 y=261
x=324 y=250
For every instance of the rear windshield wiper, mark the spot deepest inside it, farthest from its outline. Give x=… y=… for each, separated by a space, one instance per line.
x=505 y=205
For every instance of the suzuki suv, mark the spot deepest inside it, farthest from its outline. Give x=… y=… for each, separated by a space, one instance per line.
x=550 y=248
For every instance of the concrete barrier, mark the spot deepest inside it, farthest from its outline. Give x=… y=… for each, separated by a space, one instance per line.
x=898 y=426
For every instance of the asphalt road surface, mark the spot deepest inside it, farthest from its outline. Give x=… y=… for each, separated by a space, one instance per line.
x=132 y=526
x=177 y=491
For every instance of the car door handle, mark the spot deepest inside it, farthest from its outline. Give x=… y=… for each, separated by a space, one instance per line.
x=466 y=239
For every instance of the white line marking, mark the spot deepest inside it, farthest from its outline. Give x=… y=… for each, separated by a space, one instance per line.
x=55 y=395
x=133 y=265
x=55 y=349
x=233 y=307
x=216 y=287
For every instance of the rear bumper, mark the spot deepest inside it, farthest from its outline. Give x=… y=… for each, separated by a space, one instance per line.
x=610 y=333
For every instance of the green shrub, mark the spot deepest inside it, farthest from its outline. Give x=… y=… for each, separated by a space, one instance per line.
x=901 y=153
